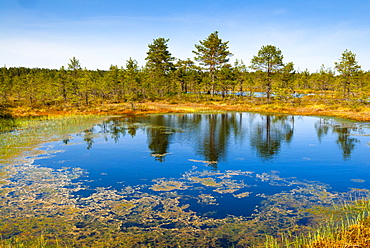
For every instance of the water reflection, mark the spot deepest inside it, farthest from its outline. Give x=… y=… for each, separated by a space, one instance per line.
x=212 y=134
x=343 y=132
x=266 y=174
x=268 y=134
x=159 y=138
x=215 y=136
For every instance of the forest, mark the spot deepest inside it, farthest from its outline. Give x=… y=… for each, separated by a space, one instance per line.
x=209 y=75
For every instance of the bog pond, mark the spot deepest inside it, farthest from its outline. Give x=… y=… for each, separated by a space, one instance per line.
x=207 y=180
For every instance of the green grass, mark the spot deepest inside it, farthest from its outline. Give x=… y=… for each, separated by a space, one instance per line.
x=22 y=135
x=37 y=243
x=347 y=226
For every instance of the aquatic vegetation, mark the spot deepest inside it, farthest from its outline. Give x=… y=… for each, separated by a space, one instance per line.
x=8 y=124
x=207 y=199
x=220 y=181
x=162 y=185
x=208 y=181
x=242 y=195
x=134 y=216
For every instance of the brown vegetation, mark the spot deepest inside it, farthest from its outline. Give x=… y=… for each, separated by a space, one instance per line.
x=356 y=235
x=359 y=113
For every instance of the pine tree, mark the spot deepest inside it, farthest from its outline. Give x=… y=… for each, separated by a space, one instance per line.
x=75 y=67
x=132 y=79
x=160 y=64
x=348 y=67
x=212 y=53
x=269 y=60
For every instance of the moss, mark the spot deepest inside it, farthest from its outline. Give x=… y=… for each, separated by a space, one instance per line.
x=207 y=199
x=208 y=181
x=168 y=186
x=242 y=195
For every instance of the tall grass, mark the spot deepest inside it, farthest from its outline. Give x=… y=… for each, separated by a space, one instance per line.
x=37 y=243
x=352 y=230
x=7 y=124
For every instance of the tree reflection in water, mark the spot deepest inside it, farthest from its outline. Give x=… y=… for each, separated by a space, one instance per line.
x=216 y=131
x=268 y=134
x=159 y=137
x=346 y=142
x=210 y=134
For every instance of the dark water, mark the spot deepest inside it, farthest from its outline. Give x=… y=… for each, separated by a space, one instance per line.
x=219 y=164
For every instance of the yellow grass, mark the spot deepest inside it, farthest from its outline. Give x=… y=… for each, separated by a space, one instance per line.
x=347 y=111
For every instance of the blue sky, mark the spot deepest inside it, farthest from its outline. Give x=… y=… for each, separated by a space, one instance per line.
x=47 y=33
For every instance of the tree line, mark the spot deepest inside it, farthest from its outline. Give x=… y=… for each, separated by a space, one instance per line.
x=208 y=75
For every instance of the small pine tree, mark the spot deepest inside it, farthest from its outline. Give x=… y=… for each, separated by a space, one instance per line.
x=212 y=53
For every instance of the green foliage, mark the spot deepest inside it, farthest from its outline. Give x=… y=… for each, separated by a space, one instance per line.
x=348 y=68
x=347 y=65
x=347 y=226
x=74 y=64
x=226 y=79
x=269 y=60
x=285 y=87
x=159 y=59
x=163 y=77
x=132 y=81
x=186 y=74
x=212 y=53
x=159 y=64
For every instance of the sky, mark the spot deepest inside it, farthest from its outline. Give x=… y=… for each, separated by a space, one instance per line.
x=101 y=33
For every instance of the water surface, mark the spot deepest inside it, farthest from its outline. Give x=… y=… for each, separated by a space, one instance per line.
x=199 y=180
x=231 y=158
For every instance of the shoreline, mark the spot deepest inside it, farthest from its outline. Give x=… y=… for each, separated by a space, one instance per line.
x=361 y=114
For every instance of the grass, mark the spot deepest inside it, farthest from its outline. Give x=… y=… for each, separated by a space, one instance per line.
x=349 y=226
x=189 y=104
x=23 y=135
x=40 y=242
